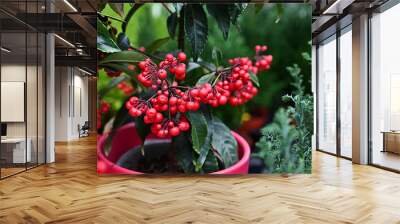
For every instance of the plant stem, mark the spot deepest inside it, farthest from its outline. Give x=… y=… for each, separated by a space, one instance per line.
x=181 y=32
x=167 y=8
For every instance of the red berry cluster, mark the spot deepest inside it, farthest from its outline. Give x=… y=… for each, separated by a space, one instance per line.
x=125 y=88
x=166 y=109
x=153 y=75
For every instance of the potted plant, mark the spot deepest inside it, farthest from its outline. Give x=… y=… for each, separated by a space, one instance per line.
x=167 y=125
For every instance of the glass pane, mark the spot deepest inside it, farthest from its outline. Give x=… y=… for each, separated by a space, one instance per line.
x=327 y=96
x=41 y=98
x=385 y=84
x=32 y=96
x=14 y=151
x=346 y=94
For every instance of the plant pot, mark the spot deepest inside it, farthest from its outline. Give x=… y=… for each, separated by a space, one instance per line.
x=127 y=138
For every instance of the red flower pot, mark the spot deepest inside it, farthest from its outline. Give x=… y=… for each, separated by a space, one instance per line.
x=127 y=138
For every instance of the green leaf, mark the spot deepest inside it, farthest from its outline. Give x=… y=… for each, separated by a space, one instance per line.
x=216 y=56
x=199 y=129
x=192 y=66
x=204 y=151
x=105 y=42
x=110 y=85
x=279 y=13
x=184 y=152
x=157 y=44
x=209 y=66
x=254 y=79
x=258 y=7
x=211 y=163
x=123 y=57
x=223 y=141
x=130 y=15
x=235 y=10
x=172 y=23
x=118 y=8
x=196 y=27
x=142 y=128
x=119 y=67
x=221 y=14
x=123 y=41
x=205 y=79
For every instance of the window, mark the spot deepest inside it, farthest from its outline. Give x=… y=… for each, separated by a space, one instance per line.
x=346 y=92
x=327 y=95
x=385 y=89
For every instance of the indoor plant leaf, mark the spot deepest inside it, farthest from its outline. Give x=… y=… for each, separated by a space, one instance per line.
x=199 y=129
x=235 y=10
x=254 y=79
x=184 y=153
x=118 y=8
x=222 y=16
x=123 y=41
x=129 y=15
x=204 y=151
x=216 y=56
x=105 y=42
x=205 y=78
x=123 y=57
x=157 y=44
x=110 y=85
x=196 y=27
x=172 y=23
x=223 y=141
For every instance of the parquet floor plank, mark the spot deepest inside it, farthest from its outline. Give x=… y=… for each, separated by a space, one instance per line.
x=70 y=191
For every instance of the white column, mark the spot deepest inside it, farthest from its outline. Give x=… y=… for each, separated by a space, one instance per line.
x=50 y=94
x=360 y=90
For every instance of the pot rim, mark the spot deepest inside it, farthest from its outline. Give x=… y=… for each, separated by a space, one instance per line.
x=242 y=143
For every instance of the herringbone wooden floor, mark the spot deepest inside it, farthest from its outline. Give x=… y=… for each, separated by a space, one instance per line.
x=70 y=191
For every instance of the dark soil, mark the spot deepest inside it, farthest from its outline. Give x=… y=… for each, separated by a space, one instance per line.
x=157 y=157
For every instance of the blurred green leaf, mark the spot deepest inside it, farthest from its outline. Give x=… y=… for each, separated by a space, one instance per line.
x=258 y=7
x=130 y=14
x=221 y=14
x=196 y=27
x=254 y=79
x=157 y=44
x=172 y=23
x=216 y=55
x=235 y=10
x=118 y=8
x=110 y=85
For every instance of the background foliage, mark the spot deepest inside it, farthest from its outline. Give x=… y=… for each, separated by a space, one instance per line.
x=285 y=28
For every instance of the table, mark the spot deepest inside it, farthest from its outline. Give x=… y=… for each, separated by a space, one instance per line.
x=16 y=148
x=391 y=141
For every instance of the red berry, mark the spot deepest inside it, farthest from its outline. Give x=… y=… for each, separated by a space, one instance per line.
x=162 y=74
x=151 y=112
x=180 y=71
x=169 y=57
x=174 y=131
x=181 y=56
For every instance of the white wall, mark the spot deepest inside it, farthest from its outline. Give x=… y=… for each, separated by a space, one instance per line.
x=71 y=108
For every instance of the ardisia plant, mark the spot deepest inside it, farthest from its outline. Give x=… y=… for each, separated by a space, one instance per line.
x=174 y=91
x=166 y=109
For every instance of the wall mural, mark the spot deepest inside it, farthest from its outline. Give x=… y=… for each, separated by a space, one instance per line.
x=204 y=88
